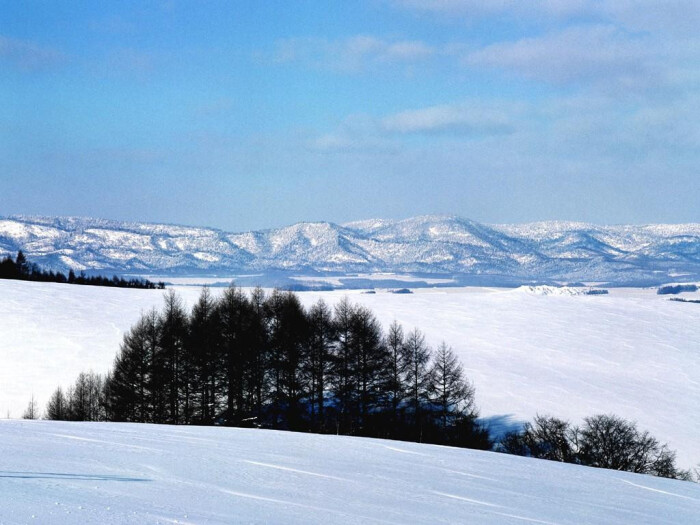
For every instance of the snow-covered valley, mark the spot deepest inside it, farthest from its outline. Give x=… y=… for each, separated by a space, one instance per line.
x=109 y=473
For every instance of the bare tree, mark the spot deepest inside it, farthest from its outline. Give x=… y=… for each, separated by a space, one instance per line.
x=608 y=441
x=546 y=438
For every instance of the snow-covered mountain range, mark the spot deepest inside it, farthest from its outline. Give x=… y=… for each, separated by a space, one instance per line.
x=462 y=249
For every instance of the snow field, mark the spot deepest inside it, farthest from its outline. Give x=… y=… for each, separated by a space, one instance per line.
x=631 y=353
x=109 y=473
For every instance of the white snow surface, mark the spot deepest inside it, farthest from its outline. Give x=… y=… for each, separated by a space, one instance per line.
x=632 y=353
x=108 y=473
x=551 y=290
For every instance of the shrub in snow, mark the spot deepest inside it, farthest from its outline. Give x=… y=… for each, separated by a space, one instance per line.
x=604 y=441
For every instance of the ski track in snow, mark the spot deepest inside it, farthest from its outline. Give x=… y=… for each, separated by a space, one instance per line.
x=396 y=449
x=468 y=500
x=296 y=471
x=659 y=491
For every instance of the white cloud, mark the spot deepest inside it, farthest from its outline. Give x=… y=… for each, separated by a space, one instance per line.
x=351 y=54
x=340 y=142
x=578 y=54
x=355 y=134
x=371 y=134
x=673 y=16
x=459 y=119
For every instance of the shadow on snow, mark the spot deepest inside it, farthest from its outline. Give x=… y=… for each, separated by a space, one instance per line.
x=59 y=475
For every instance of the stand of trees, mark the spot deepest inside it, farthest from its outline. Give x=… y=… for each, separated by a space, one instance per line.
x=21 y=269
x=604 y=441
x=265 y=361
x=84 y=401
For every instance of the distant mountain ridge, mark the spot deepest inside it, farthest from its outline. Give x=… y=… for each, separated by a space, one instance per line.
x=433 y=245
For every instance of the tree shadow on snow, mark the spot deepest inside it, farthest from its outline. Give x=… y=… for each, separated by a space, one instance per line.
x=499 y=426
x=59 y=475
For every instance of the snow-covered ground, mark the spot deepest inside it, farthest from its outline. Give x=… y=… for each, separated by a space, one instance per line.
x=632 y=352
x=61 y=473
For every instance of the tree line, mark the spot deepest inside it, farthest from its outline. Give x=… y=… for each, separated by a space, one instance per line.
x=21 y=269
x=266 y=361
x=603 y=441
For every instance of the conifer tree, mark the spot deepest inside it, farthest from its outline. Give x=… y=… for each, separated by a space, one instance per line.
x=398 y=362
x=369 y=364
x=234 y=314
x=32 y=410
x=131 y=384
x=321 y=347
x=341 y=379
x=204 y=350
x=57 y=407
x=288 y=343
x=257 y=375
x=23 y=267
x=452 y=395
x=417 y=378
x=170 y=359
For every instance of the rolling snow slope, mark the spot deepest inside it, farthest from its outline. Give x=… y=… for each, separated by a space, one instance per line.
x=108 y=473
x=632 y=353
x=466 y=250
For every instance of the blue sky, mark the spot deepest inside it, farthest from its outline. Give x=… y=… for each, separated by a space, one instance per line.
x=246 y=115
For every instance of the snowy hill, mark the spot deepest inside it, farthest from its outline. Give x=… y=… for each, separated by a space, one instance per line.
x=106 y=473
x=467 y=251
x=528 y=351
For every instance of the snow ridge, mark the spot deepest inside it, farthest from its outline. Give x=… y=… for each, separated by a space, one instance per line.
x=542 y=251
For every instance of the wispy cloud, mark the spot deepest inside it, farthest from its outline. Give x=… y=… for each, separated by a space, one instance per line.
x=29 y=56
x=355 y=134
x=384 y=134
x=577 y=54
x=673 y=17
x=629 y=48
x=343 y=142
x=351 y=54
x=458 y=119
x=605 y=55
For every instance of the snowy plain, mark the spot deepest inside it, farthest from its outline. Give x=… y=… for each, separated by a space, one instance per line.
x=108 y=473
x=632 y=352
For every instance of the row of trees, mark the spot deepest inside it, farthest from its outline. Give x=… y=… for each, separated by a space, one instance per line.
x=21 y=269
x=265 y=360
x=604 y=441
